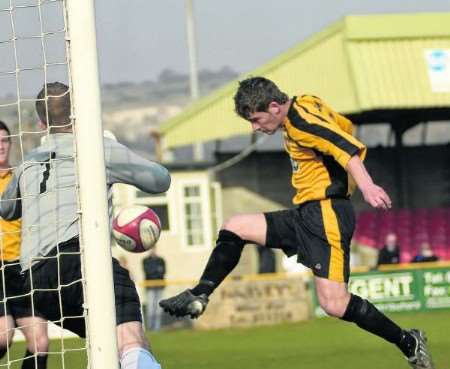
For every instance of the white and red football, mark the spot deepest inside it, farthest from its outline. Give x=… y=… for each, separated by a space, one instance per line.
x=136 y=228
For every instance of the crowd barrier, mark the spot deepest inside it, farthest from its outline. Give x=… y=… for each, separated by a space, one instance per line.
x=249 y=300
x=402 y=288
x=290 y=297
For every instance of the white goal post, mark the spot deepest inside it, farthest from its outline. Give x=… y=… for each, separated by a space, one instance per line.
x=44 y=41
x=95 y=232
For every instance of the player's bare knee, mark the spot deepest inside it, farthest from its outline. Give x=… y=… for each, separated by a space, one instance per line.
x=6 y=338
x=130 y=335
x=331 y=309
x=236 y=224
x=6 y=331
x=239 y=224
x=333 y=303
x=334 y=307
x=38 y=344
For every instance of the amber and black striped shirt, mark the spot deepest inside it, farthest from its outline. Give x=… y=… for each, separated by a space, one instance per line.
x=320 y=143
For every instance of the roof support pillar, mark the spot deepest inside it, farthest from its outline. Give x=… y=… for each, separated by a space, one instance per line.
x=401 y=178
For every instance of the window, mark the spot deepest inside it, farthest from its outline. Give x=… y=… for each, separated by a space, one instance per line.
x=163 y=215
x=194 y=224
x=159 y=203
x=195 y=214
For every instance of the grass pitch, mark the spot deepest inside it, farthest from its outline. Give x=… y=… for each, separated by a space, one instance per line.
x=318 y=344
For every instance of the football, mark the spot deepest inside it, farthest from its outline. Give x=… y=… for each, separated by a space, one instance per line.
x=136 y=228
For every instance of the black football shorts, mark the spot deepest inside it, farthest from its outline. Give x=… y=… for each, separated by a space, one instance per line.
x=58 y=291
x=17 y=300
x=318 y=232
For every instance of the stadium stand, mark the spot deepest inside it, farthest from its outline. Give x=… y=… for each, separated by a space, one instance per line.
x=412 y=228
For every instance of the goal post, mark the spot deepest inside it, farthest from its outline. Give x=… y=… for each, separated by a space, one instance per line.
x=95 y=232
x=44 y=41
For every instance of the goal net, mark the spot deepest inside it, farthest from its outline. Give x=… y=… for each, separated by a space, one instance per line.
x=44 y=41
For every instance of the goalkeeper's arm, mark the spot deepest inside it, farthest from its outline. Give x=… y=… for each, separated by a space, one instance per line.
x=124 y=166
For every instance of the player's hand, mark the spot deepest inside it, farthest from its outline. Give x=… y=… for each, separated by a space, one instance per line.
x=376 y=197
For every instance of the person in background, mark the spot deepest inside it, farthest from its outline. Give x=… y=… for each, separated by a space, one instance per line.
x=154 y=270
x=267 y=260
x=425 y=254
x=390 y=253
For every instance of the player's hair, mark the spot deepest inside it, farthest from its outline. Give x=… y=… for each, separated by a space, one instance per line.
x=255 y=94
x=4 y=127
x=56 y=97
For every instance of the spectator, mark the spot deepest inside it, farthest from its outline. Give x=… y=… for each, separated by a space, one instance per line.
x=390 y=253
x=425 y=254
x=154 y=270
x=267 y=260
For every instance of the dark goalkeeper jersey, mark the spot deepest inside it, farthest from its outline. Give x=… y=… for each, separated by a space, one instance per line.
x=320 y=144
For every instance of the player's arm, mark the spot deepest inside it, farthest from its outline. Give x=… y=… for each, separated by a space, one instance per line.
x=124 y=166
x=372 y=193
x=10 y=204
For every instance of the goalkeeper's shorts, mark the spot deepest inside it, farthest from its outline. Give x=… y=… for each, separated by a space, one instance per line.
x=16 y=301
x=62 y=302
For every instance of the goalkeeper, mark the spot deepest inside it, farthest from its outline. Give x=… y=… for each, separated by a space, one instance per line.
x=46 y=186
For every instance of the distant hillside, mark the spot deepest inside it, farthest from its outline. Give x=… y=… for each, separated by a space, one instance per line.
x=130 y=110
x=170 y=87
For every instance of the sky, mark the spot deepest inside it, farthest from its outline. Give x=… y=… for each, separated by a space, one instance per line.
x=137 y=39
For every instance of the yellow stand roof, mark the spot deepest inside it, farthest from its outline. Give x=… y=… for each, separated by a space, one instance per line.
x=359 y=64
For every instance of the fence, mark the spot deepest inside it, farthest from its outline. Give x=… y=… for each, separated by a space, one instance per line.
x=409 y=287
x=249 y=300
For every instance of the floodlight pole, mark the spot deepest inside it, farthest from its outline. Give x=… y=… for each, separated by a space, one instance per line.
x=192 y=49
x=198 y=151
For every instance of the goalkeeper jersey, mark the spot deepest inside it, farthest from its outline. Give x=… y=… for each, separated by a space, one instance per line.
x=43 y=191
x=9 y=230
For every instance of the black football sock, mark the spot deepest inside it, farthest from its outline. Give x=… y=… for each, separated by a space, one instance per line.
x=407 y=344
x=29 y=362
x=366 y=316
x=222 y=261
x=3 y=351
